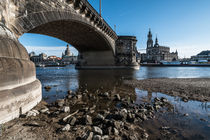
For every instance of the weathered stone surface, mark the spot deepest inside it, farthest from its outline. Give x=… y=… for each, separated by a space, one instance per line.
x=57 y=18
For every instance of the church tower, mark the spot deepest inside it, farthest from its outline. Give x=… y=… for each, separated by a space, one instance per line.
x=149 y=41
x=67 y=52
x=156 y=42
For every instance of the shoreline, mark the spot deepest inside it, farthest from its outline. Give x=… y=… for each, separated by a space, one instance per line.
x=186 y=88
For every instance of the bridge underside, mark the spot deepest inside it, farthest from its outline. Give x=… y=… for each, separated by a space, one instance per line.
x=20 y=91
x=95 y=49
x=81 y=27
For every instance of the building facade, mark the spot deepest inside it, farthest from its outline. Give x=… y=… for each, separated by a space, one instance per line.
x=156 y=53
x=202 y=56
x=126 y=51
x=68 y=57
x=38 y=58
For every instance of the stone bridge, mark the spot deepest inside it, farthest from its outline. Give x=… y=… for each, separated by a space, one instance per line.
x=73 y=21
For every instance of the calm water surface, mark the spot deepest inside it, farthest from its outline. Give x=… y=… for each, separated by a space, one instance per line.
x=195 y=126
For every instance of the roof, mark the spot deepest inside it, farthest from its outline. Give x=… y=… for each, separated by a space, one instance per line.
x=127 y=37
x=207 y=52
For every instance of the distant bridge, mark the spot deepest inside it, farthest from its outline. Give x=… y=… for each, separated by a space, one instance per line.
x=73 y=21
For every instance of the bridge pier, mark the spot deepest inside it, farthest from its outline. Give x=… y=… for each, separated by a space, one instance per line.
x=96 y=60
x=20 y=91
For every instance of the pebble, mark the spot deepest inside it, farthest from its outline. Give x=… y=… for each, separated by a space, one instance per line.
x=97 y=130
x=88 y=120
x=106 y=137
x=32 y=113
x=117 y=97
x=97 y=137
x=66 y=128
x=60 y=102
x=186 y=115
x=66 y=109
x=90 y=136
x=100 y=117
x=44 y=110
x=116 y=132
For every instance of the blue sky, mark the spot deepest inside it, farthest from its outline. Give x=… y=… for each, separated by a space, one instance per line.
x=181 y=24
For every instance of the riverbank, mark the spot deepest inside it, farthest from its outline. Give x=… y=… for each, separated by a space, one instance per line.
x=85 y=116
x=194 y=89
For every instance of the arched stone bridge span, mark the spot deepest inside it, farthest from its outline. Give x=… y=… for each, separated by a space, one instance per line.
x=73 y=21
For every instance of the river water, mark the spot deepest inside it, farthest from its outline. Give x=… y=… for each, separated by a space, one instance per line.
x=191 y=120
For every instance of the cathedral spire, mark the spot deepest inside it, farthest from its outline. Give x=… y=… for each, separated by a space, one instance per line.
x=149 y=40
x=156 y=42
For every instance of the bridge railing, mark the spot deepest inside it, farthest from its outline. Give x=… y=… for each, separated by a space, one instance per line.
x=89 y=6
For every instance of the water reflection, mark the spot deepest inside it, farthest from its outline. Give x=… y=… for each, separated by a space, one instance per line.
x=106 y=79
x=190 y=118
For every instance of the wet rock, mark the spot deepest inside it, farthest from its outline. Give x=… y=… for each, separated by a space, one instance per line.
x=60 y=102
x=157 y=107
x=186 y=115
x=70 y=92
x=66 y=128
x=97 y=130
x=164 y=100
x=47 y=88
x=203 y=120
x=97 y=137
x=156 y=99
x=117 y=97
x=185 y=99
x=148 y=107
x=66 y=109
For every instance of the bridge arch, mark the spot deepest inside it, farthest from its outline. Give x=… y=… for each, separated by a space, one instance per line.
x=91 y=35
x=80 y=32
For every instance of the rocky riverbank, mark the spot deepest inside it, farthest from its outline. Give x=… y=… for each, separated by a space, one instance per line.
x=194 y=89
x=85 y=116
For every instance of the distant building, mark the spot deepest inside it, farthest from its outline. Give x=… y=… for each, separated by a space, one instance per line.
x=68 y=57
x=203 y=56
x=37 y=58
x=52 y=58
x=126 y=51
x=156 y=53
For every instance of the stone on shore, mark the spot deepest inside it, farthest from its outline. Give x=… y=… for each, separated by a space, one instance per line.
x=66 y=128
x=97 y=137
x=97 y=130
x=66 y=109
x=117 y=97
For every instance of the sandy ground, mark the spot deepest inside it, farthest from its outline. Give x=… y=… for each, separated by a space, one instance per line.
x=194 y=89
